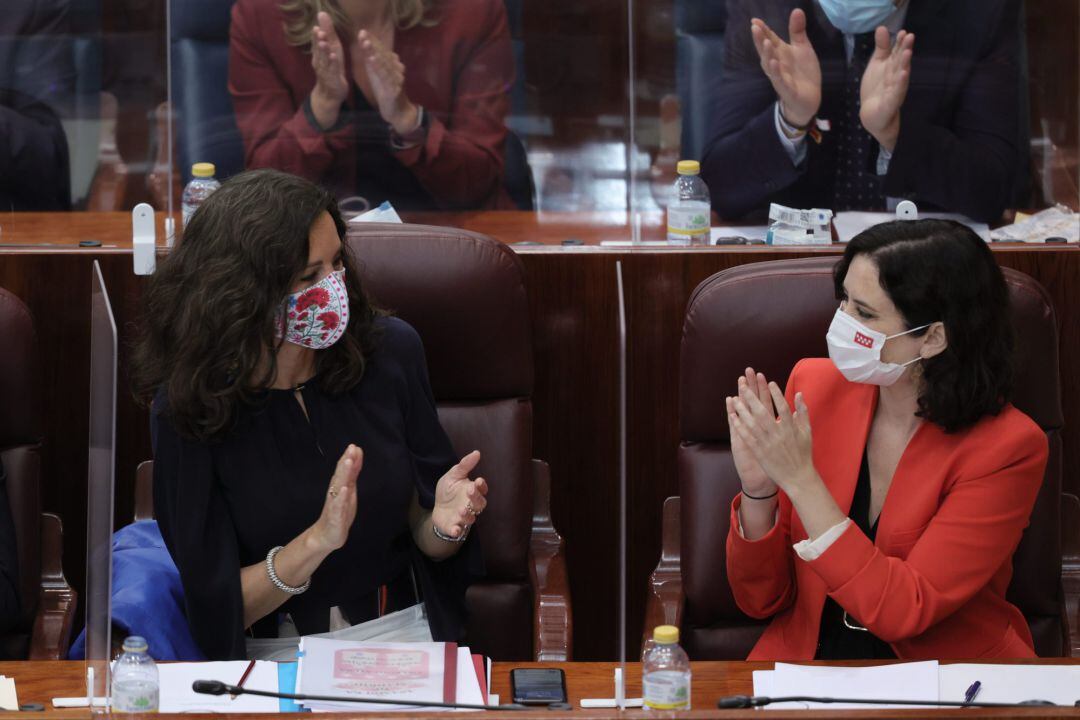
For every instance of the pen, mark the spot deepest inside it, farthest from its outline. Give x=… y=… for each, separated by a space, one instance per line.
x=972 y=691
x=251 y=666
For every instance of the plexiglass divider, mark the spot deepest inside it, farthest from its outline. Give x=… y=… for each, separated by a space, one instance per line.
x=99 y=501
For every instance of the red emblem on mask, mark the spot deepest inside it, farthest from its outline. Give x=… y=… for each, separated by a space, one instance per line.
x=863 y=340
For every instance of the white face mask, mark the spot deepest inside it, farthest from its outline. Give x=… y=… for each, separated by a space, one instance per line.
x=856 y=351
x=854 y=17
x=316 y=317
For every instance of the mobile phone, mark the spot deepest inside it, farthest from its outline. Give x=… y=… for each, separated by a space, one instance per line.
x=538 y=686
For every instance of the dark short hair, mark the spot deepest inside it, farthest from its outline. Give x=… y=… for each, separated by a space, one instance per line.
x=940 y=270
x=212 y=307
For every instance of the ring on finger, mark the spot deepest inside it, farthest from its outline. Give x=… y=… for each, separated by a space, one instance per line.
x=469 y=508
x=332 y=492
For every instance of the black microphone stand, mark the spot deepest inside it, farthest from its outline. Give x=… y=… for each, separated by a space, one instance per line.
x=215 y=687
x=752 y=701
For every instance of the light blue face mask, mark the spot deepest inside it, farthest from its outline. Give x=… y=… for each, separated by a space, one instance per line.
x=854 y=17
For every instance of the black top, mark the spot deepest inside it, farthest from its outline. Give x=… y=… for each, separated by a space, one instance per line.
x=379 y=174
x=9 y=562
x=836 y=641
x=223 y=505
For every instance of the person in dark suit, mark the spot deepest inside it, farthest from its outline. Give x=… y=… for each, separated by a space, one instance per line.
x=36 y=83
x=863 y=103
x=9 y=562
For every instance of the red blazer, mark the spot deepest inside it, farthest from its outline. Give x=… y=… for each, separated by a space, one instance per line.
x=459 y=70
x=933 y=583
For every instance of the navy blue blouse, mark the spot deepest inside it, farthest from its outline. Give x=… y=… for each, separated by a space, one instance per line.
x=223 y=505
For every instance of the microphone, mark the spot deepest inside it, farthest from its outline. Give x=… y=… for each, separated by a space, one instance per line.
x=216 y=687
x=752 y=701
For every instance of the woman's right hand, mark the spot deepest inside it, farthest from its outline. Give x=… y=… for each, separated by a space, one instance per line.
x=328 y=61
x=754 y=480
x=339 y=510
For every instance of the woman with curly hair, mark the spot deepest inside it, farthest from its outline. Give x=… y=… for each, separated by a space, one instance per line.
x=301 y=477
x=883 y=497
x=399 y=100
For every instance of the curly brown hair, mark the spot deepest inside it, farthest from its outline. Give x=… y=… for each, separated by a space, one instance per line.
x=212 y=306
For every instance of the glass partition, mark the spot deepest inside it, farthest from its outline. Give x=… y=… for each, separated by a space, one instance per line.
x=441 y=108
x=81 y=82
x=983 y=127
x=100 y=482
x=986 y=127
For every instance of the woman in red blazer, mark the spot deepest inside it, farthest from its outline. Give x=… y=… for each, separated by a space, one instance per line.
x=399 y=100
x=883 y=497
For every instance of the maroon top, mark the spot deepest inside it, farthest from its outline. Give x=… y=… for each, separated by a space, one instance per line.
x=459 y=70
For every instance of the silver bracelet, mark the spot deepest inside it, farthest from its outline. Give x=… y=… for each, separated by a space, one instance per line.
x=446 y=538
x=272 y=574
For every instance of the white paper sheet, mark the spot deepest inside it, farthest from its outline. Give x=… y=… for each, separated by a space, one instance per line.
x=1060 y=684
x=468 y=685
x=411 y=671
x=850 y=223
x=9 y=699
x=763 y=685
x=902 y=681
x=408 y=625
x=177 y=696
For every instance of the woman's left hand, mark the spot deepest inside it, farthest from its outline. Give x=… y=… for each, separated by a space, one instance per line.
x=386 y=74
x=781 y=442
x=459 y=500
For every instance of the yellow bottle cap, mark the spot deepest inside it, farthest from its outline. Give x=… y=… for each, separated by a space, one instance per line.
x=688 y=167
x=666 y=634
x=203 y=170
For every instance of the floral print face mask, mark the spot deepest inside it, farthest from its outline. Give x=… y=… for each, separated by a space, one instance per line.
x=316 y=317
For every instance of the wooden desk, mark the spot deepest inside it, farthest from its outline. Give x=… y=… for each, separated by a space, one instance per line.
x=39 y=682
x=573 y=306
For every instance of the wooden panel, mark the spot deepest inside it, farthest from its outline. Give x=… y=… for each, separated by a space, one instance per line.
x=573 y=311
x=39 y=682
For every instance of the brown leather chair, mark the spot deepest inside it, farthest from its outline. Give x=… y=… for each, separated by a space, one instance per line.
x=770 y=315
x=465 y=295
x=48 y=602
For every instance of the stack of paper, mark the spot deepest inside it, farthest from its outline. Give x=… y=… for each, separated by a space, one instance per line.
x=416 y=672
x=902 y=681
x=1059 y=684
x=9 y=699
x=919 y=681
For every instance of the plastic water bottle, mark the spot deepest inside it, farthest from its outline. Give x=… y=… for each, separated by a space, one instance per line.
x=201 y=185
x=688 y=210
x=665 y=676
x=135 y=679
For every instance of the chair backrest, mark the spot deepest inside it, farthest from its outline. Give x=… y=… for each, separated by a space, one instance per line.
x=465 y=295
x=770 y=315
x=20 y=453
x=699 y=58
x=206 y=128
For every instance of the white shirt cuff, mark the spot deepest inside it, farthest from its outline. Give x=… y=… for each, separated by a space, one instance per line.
x=796 y=148
x=811 y=550
x=883 y=159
